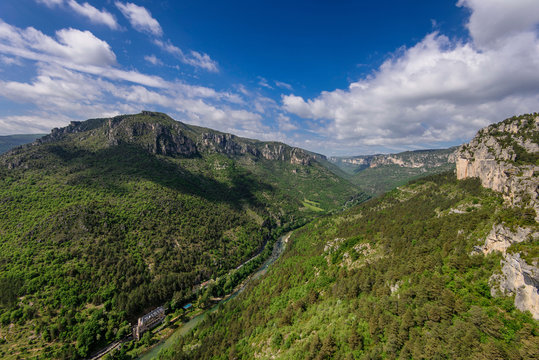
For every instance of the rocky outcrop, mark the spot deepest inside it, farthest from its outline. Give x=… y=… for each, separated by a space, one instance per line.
x=156 y=137
x=233 y=146
x=519 y=279
x=226 y=144
x=501 y=238
x=503 y=156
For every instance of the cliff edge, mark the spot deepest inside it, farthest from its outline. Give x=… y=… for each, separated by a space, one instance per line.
x=505 y=157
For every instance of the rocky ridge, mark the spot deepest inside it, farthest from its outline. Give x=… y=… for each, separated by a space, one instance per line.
x=504 y=157
x=161 y=135
x=410 y=159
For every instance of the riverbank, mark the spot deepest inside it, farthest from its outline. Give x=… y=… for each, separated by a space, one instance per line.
x=167 y=335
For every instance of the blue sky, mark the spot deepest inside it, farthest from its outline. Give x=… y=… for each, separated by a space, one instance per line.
x=338 y=77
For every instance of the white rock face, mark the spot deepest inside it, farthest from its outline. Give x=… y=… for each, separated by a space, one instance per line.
x=520 y=279
x=500 y=238
x=493 y=157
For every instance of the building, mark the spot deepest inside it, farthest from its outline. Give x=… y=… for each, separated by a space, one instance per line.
x=148 y=321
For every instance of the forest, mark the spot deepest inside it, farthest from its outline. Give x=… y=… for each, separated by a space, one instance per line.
x=393 y=278
x=96 y=234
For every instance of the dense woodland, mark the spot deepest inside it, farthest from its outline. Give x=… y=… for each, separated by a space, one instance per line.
x=94 y=235
x=393 y=278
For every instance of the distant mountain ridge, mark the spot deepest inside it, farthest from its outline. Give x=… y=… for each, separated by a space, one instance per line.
x=412 y=159
x=161 y=135
x=376 y=174
x=8 y=142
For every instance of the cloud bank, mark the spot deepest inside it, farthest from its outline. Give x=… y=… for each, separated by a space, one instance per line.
x=441 y=89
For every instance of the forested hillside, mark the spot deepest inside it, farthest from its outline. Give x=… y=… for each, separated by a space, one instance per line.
x=105 y=219
x=397 y=277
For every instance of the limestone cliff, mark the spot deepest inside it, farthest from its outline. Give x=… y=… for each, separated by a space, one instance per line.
x=409 y=159
x=504 y=156
x=161 y=135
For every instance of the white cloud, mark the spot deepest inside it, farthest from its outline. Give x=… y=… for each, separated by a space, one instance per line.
x=285 y=124
x=92 y=13
x=493 y=21
x=195 y=58
x=152 y=59
x=440 y=90
x=140 y=18
x=283 y=85
x=51 y=3
x=95 y=15
x=75 y=50
x=10 y=60
x=79 y=47
x=30 y=124
x=264 y=82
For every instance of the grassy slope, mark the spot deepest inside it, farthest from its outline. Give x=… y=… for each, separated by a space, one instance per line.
x=330 y=295
x=93 y=235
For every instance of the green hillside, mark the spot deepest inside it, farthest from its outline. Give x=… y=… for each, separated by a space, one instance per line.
x=105 y=219
x=394 y=278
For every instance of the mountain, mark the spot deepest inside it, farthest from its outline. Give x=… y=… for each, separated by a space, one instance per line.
x=8 y=142
x=108 y=218
x=439 y=268
x=376 y=174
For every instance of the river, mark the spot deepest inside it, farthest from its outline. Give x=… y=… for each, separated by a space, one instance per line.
x=278 y=249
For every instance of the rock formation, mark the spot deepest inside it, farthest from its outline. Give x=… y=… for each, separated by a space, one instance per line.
x=504 y=156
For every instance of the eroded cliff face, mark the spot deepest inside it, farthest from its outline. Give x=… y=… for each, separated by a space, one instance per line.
x=504 y=156
x=517 y=277
x=409 y=159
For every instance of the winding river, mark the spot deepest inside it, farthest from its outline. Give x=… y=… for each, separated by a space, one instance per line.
x=278 y=249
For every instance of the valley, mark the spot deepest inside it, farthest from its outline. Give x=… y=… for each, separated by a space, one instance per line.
x=109 y=218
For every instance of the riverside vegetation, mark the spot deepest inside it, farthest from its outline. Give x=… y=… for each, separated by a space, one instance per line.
x=414 y=274
x=394 y=278
x=105 y=219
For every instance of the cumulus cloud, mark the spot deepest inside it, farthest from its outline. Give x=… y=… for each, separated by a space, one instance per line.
x=96 y=16
x=92 y=13
x=73 y=49
x=441 y=89
x=140 y=18
x=493 y=21
x=195 y=59
x=79 y=47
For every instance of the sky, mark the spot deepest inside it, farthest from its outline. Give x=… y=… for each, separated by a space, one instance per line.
x=339 y=77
